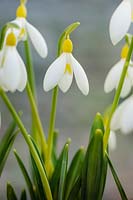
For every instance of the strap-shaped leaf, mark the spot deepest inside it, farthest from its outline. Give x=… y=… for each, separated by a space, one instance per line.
x=23 y=195
x=10 y=192
x=54 y=153
x=103 y=178
x=75 y=190
x=54 y=182
x=63 y=173
x=92 y=168
x=6 y=145
x=97 y=124
x=26 y=176
x=74 y=171
x=40 y=193
x=117 y=181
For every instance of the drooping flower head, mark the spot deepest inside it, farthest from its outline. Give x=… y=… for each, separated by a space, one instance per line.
x=121 y=21
x=113 y=77
x=123 y=117
x=13 y=75
x=26 y=29
x=62 y=69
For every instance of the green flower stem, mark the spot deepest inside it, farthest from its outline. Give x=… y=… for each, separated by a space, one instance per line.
x=49 y=164
x=30 y=71
x=29 y=143
x=37 y=120
x=52 y=122
x=117 y=94
x=31 y=79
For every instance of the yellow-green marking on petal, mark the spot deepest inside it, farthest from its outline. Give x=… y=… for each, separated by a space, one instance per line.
x=68 y=69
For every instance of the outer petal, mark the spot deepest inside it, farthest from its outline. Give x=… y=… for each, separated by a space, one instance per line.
x=117 y=116
x=37 y=40
x=10 y=72
x=80 y=76
x=126 y=87
x=127 y=118
x=54 y=73
x=113 y=76
x=23 y=79
x=120 y=21
x=112 y=141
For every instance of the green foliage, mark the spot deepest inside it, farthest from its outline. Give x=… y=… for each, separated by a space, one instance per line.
x=10 y=192
x=117 y=181
x=6 y=144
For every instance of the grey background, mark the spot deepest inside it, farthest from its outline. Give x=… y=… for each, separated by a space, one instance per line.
x=93 y=49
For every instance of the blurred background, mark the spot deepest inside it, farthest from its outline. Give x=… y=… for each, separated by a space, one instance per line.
x=75 y=113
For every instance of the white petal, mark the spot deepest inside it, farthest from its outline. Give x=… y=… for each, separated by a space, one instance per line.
x=127 y=118
x=37 y=40
x=54 y=73
x=112 y=141
x=10 y=72
x=117 y=116
x=120 y=21
x=23 y=79
x=126 y=87
x=80 y=76
x=65 y=82
x=113 y=76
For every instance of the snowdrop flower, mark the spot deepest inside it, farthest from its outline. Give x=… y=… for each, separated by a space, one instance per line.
x=13 y=74
x=123 y=117
x=113 y=77
x=27 y=29
x=121 y=20
x=62 y=69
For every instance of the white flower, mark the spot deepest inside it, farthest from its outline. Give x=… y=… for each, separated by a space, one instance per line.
x=112 y=141
x=123 y=117
x=27 y=29
x=13 y=75
x=113 y=77
x=120 y=21
x=62 y=69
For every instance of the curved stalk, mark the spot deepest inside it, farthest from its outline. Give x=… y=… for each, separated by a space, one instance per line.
x=117 y=94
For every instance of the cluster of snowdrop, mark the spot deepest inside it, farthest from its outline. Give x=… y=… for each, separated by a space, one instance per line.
x=119 y=25
x=13 y=74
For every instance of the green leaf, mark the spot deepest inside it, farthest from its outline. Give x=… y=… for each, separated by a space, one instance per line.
x=117 y=181
x=6 y=145
x=92 y=169
x=63 y=172
x=36 y=175
x=103 y=177
x=4 y=31
x=97 y=124
x=75 y=190
x=23 y=195
x=10 y=192
x=54 y=154
x=54 y=182
x=74 y=171
x=26 y=176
